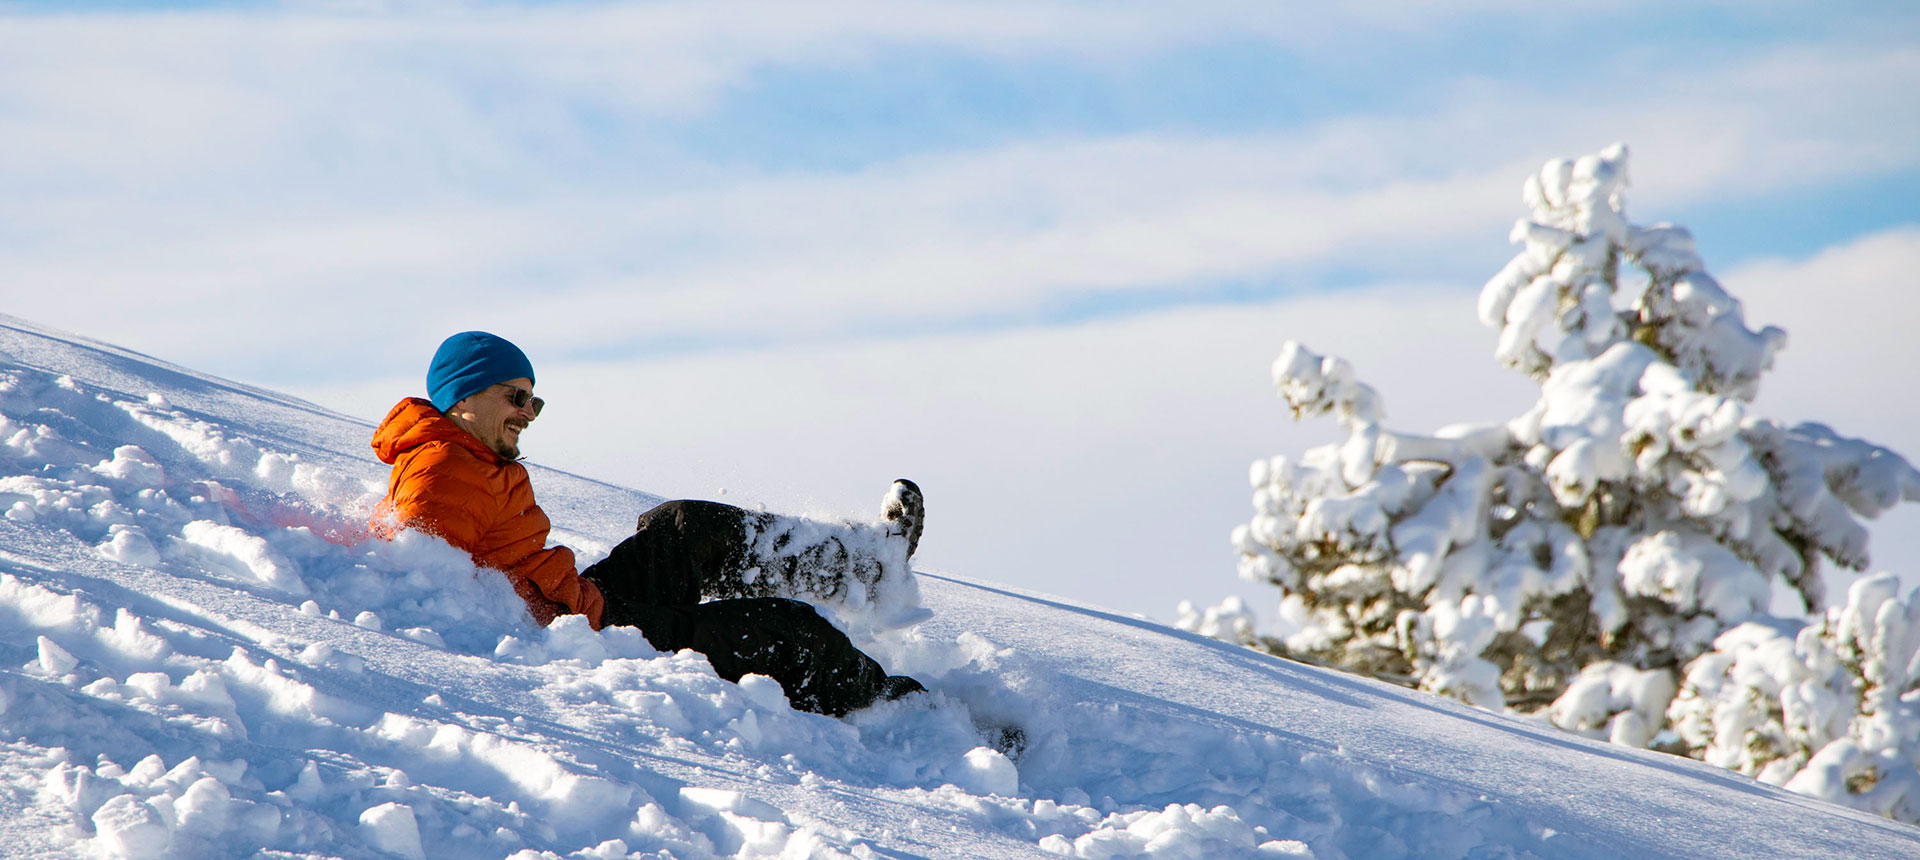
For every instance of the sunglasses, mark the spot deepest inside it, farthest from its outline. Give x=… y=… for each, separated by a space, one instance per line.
x=520 y=397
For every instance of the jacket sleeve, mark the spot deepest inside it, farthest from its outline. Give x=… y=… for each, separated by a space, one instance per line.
x=552 y=571
x=440 y=493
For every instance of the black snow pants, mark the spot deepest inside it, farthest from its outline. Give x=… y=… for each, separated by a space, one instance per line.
x=685 y=551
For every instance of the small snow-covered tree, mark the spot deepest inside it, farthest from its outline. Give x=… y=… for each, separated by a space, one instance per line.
x=1831 y=710
x=1571 y=561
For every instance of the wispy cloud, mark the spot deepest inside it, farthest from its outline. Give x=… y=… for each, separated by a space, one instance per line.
x=927 y=243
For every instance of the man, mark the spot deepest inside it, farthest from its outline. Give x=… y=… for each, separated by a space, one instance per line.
x=456 y=475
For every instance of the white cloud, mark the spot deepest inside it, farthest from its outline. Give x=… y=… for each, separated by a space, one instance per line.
x=418 y=166
x=1851 y=314
x=172 y=69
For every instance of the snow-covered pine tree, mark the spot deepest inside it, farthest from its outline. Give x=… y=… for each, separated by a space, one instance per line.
x=1573 y=561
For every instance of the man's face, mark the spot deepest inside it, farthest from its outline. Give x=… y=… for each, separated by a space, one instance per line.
x=493 y=419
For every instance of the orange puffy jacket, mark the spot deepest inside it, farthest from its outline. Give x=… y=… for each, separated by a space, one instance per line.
x=447 y=482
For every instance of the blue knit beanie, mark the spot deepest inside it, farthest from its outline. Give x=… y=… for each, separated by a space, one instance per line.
x=467 y=363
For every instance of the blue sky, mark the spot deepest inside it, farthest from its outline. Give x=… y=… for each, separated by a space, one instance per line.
x=770 y=228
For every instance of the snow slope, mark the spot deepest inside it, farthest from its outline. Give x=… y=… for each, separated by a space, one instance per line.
x=202 y=656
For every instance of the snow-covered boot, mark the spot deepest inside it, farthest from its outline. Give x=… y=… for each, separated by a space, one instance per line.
x=688 y=551
x=858 y=568
x=905 y=512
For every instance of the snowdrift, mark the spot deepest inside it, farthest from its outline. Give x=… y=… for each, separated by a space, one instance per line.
x=203 y=656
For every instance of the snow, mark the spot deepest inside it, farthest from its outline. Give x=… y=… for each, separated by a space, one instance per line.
x=203 y=655
x=392 y=828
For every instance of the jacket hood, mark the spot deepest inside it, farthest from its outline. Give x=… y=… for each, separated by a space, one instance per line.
x=414 y=422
